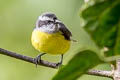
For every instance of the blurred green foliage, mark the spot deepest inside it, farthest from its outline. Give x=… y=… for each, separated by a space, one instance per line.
x=78 y=65
x=17 y=20
x=102 y=21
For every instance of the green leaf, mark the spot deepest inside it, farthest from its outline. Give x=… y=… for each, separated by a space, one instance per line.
x=117 y=45
x=95 y=10
x=78 y=65
x=106 y=32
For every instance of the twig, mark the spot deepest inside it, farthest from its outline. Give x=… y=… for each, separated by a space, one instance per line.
x=100 y=73
x=27 y=59
x=114 y=73
x=118 y=65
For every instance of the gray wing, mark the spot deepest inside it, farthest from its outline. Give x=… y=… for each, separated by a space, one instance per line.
x=66 y=33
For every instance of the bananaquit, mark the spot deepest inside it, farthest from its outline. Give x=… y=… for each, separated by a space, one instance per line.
x=50 y=36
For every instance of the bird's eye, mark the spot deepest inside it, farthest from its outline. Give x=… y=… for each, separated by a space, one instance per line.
x=49 y=21
x=54 y=18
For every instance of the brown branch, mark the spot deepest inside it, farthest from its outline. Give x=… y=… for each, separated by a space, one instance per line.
x=27 y=59
x=100 y=73
x=114 y=73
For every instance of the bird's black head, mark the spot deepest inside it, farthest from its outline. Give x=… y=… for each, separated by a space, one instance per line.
x=48 y=16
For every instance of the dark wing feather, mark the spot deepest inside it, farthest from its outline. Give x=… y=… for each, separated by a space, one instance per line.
x=66 y=33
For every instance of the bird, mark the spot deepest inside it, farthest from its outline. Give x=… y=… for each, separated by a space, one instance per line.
x=50 y=36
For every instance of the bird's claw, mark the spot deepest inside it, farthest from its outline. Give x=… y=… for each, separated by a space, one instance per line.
x=37 y=60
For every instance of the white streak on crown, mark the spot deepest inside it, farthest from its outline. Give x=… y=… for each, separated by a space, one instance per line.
x=44 y=18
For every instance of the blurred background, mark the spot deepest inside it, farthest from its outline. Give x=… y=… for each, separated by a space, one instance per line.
x=17 y=21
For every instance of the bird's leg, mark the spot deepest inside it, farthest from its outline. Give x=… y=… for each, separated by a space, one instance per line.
x=38 y=58
x=60 y=63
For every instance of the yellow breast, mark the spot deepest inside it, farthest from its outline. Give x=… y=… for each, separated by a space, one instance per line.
x=53 y=43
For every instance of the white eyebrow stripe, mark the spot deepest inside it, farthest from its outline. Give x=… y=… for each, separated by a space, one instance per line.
x=45 y=18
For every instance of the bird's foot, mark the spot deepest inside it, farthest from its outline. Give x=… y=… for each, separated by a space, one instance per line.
x=59 y=64
x=38 y=59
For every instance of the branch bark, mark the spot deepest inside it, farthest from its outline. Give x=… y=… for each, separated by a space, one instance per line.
x=100 y=73
x=27 y=58
x=114 y=73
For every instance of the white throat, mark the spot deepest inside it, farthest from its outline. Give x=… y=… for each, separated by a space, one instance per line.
x=51 y=28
